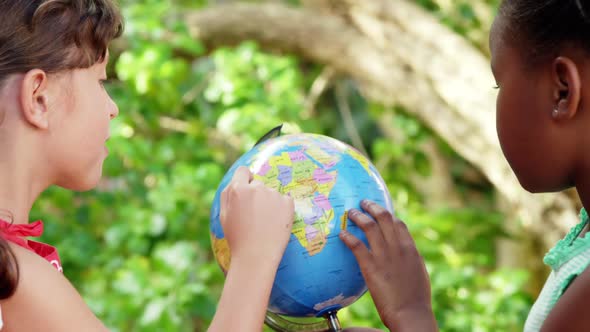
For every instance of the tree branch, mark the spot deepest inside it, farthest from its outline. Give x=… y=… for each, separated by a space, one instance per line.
x=399 y=55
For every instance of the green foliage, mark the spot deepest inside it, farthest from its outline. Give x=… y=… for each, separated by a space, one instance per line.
x=470 y=18
x=138 y=247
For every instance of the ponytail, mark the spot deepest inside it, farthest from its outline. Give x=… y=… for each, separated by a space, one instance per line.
x=8 y=270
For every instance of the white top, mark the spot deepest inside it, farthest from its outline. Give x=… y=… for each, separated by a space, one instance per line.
x=554 y=287
x=568 y=259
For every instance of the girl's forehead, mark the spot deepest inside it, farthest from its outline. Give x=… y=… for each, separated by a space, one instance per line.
x=494 y=42
x=504 y=41
x=496 y=34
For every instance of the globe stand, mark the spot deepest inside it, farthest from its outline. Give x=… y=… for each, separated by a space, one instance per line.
x=333 y=322
x=280 y=324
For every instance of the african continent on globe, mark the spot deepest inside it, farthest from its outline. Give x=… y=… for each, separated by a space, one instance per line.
x=326 y=178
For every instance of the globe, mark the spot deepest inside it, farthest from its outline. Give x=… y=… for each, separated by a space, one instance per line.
x=318 y=274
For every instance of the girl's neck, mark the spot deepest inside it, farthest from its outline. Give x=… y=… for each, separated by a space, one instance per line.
x=582 y=181
x=19 y=182
x=15 y=205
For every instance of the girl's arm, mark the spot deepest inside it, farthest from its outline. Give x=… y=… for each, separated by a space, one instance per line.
x=243 y=303
x=571 y=311
x=393 y=269
x=257 y=224
x=45 y=301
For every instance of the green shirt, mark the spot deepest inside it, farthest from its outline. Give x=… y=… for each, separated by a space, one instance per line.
x=568 y=259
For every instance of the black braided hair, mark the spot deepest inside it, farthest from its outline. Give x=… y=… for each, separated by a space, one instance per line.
x=542 y=27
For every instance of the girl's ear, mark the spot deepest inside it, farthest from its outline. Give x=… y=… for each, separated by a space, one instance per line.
x=34 y=98
x=566 y=88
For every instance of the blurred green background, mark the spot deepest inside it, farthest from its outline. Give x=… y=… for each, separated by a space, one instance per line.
x=138 y=247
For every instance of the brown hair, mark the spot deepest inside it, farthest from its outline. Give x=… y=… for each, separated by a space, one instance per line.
x=8 y=266
x=8 y=271
x=54 y=36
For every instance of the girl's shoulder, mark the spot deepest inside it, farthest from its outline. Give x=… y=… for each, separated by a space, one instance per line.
x=566 y=295
x=44 y=299
x=570 y=311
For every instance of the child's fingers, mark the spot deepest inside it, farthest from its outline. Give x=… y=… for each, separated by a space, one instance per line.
x=223 y=208
x=383 y=217
x=394 y=230
x=358 y=248
x=257 y=183
x=242 y=176
x=404 y=238
x=370 y=228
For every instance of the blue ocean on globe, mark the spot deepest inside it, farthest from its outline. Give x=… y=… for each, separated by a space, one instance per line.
x=326 y=178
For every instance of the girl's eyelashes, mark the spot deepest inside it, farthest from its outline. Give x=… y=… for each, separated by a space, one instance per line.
x=496 y=87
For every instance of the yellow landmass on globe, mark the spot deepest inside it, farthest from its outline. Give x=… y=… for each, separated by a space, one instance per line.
x=326 y=188
x=283 y=160
x=270 y=182
x=309 y=185
x=318 y=236
x=343 y=220
x=221 y=252
x=303 y=170
x=272 y=173
x=301 y=189
x=322 y=156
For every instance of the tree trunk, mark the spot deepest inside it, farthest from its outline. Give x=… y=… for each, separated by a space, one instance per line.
x=400 y=55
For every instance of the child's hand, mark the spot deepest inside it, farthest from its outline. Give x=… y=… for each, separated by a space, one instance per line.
x=257 y=223
x=256 y=220
x=393 y=269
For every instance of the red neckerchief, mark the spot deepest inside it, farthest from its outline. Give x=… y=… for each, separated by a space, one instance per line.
x=16 y=234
